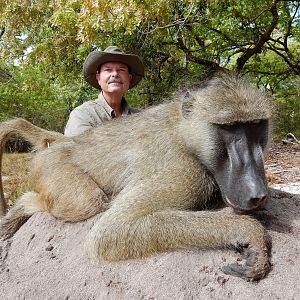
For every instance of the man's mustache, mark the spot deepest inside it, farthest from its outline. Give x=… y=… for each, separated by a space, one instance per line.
x=116 y=80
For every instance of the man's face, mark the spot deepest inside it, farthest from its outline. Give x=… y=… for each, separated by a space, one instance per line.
x=114 y=77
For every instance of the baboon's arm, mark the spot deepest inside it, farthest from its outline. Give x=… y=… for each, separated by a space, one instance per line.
x=115 y=238
x=39 y=137
x=140 y=225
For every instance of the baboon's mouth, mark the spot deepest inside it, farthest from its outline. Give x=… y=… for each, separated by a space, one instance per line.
x=238 y=209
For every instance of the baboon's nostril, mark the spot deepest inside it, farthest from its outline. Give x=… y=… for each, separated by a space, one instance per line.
x=258 y=201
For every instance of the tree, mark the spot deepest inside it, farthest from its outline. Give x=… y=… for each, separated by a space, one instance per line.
x=177 y=40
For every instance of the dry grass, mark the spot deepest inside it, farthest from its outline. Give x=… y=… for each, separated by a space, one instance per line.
x=15 y=174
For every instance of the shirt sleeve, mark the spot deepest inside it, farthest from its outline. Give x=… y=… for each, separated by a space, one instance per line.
x=79 y=121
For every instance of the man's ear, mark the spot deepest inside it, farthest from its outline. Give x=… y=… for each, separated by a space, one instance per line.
x=97 y=76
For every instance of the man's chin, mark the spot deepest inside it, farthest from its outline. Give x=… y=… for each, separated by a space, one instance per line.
x=114 y=91
x=116 y=88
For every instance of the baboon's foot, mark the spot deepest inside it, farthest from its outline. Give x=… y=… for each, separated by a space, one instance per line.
x=256 y=266
x=5 y=233
x=8 y=227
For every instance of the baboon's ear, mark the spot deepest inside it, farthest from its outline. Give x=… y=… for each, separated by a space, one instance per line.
x=187 y=104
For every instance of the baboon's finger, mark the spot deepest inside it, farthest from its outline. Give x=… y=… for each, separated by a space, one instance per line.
x=237 y=270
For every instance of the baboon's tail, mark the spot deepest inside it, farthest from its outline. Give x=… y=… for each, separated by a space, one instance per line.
x=39 y=137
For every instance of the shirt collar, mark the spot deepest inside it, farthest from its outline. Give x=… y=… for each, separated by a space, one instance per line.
x=101 y=101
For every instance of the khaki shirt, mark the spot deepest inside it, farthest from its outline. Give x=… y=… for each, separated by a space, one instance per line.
x=90 y=114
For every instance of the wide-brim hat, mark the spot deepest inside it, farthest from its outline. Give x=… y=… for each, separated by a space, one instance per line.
x=112 y=54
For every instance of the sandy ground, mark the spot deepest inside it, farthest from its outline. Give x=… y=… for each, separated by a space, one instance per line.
x=45 y=260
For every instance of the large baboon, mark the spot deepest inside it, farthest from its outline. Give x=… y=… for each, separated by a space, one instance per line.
x=155 y=173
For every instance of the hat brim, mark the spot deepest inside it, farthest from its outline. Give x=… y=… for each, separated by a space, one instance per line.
x=97 y=58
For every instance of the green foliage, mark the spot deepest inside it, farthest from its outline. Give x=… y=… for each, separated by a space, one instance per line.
x=44 y=45
x=32 y=96
x=288 y=118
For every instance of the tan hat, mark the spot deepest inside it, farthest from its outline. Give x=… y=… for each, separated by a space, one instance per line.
x=112 y=54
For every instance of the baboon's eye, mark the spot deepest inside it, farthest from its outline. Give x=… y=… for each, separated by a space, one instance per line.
x=228 y=125
x=255 y=121
x=233 y=124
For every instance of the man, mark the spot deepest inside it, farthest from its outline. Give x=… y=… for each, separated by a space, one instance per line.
x=112 y=72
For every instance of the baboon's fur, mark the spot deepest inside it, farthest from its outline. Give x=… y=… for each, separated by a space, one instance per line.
x=149 y=173
x=41 y=139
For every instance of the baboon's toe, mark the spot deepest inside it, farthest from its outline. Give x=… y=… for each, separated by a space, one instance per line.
x=237 y=270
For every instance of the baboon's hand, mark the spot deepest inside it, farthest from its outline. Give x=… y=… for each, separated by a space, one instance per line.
x=256 y=266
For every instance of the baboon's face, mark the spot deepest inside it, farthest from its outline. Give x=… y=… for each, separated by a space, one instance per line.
x=238 y=165
x=226 y=125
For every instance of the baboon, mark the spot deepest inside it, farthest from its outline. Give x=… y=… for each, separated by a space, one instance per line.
x=155 y=174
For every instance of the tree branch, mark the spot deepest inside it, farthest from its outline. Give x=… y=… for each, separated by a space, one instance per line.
x=201 y=61
x=241 y=61
x=294 y=66
x=2 y=31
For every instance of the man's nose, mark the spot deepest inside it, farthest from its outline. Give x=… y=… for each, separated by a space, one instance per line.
x=115 y=73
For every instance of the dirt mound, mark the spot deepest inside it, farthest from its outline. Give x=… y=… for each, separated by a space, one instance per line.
x=45 y=260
